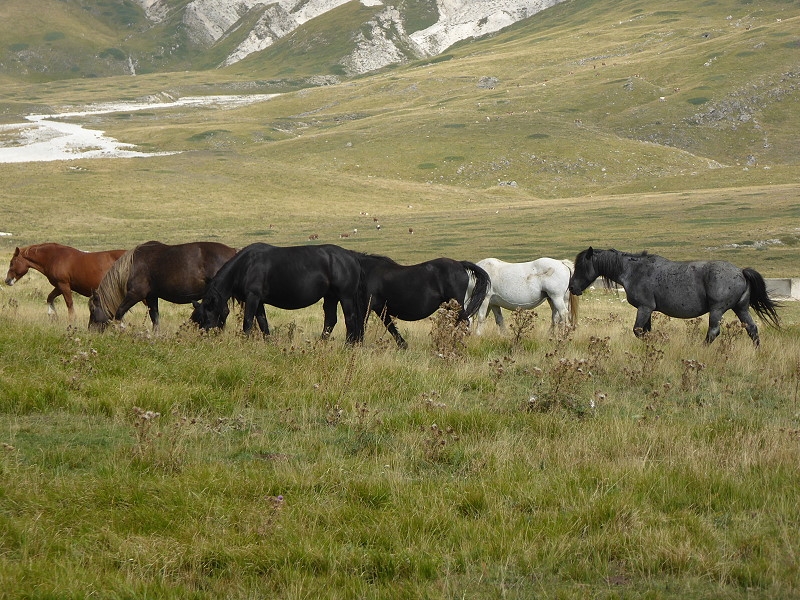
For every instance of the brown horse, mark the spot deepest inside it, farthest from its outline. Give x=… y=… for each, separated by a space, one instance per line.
x=67 y=269
x=153 y=270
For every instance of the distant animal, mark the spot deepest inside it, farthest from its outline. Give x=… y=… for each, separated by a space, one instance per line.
x=175 y=273
x=679 y=289
x=289 y=278
x=526 y=285
x=414 y=292
x=67 y=269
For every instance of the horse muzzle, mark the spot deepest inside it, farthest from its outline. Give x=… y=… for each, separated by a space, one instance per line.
x=575 y=290
x=11 y=280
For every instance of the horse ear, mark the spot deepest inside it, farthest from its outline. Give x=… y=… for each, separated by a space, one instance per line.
x=16 y=252
x=589 y=252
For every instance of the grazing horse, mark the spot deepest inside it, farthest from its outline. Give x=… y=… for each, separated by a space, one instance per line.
x=414 y=292
x=153 y=270
x=679 y=289
x=290 y=278
x=526 y=285
x=67 y=269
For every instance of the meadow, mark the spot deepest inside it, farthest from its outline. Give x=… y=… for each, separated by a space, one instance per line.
x=524 y=464
x=528 y=463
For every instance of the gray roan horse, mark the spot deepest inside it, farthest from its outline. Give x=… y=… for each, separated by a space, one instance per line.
x=679 y=289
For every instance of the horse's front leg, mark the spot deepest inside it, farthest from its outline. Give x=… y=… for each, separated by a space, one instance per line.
x=152 y=308
x=353 y=319
x=261 y=319
x=128 y=302
x=329 y=310
x=251 y=306
x=643 y=322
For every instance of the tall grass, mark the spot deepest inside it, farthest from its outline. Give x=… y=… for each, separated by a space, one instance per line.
x=189 y=465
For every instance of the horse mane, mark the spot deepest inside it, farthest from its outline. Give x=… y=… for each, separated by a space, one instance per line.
x=375 y=257
x=114 y=285
x=609 y=263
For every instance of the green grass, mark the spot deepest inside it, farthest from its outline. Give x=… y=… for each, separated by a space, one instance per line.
x=398 y=474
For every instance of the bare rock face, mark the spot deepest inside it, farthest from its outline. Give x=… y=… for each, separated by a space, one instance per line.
x=378 y=48
x=463 y=19
x=387 y=42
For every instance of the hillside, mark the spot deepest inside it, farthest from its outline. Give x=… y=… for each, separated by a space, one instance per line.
x=94 y=38
x=586 y=98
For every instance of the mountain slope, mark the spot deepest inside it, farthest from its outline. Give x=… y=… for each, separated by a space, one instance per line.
x=91 y=38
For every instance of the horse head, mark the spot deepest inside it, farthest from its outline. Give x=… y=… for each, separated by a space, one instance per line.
x=98 y=316
x=210 y=313
x=17 y=268
x=585 y=272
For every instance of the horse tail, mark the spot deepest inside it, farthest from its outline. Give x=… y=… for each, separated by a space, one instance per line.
x=573 y=308
x=765 y=307
x=479 y=291
x=363 y=301
x=114 y=285
x=569 y=297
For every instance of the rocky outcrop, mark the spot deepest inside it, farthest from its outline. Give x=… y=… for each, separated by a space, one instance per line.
x=379 y=47
x=381 y=42
x=464 y=19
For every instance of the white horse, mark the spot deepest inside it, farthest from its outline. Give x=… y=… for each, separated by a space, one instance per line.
x=526 y=285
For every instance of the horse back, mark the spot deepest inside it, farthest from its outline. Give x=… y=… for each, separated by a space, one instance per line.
x=86 y=269
x=177 y=273
x=65 y=265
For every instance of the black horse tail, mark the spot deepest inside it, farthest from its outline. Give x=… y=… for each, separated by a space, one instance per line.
x=363 y=303
x=482 y=284
x=765 y=307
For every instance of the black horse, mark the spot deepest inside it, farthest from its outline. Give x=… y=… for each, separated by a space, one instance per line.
x=414 y=292
x=154 y=270
x=679 y=289
x=289 y=278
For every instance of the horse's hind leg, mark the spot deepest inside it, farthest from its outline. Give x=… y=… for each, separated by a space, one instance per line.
x=51 y=298
x=498 y=316
x=481 y=315
x=749 y=323
x=392 y=328
x=559 y=312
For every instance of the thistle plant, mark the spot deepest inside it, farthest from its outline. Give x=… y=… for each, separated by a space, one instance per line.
x=449 y=332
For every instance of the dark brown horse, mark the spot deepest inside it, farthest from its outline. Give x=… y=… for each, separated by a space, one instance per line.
x=67 y=269
x=153 y=270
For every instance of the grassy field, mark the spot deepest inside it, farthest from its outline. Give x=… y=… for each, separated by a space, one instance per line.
x=182 y=465
x=511 y=465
